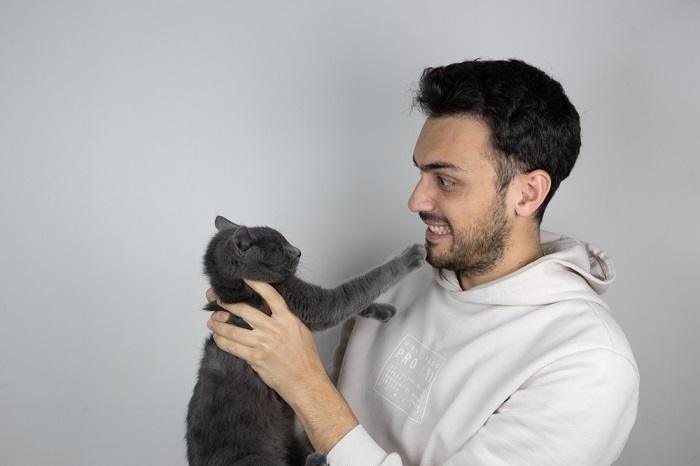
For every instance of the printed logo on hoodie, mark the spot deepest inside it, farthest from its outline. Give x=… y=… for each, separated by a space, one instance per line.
x=407 y=376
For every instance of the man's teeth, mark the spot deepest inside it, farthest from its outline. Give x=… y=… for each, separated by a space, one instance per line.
x=440 y=230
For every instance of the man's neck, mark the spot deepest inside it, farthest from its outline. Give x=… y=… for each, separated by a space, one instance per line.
x=521 y=250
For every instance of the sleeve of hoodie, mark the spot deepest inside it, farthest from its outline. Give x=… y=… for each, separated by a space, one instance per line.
x=577 y=410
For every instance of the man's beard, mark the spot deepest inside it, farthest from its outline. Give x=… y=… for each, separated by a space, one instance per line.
x=477 y=249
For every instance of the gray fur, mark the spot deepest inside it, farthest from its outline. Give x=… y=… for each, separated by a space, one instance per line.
x=233 y=418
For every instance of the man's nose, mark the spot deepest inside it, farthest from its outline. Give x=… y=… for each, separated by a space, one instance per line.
x=420 y=200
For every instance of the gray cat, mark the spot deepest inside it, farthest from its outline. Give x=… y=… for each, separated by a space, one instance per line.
x=233 y=417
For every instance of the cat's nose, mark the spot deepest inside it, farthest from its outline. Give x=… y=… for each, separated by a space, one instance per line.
x=296 y=251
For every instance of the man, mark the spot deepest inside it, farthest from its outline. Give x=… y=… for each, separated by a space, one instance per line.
x=502 y=351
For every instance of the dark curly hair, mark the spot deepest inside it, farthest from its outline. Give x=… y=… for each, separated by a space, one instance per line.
x=533 y=124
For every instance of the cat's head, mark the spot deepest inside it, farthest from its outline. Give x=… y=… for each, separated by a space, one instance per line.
x=258 y=253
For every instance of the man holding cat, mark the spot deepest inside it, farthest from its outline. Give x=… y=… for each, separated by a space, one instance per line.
x=502 y=351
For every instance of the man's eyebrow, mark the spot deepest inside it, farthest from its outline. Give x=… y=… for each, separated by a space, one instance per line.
x=437 y=166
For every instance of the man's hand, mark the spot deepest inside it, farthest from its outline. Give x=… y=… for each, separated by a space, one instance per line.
x=280 y=348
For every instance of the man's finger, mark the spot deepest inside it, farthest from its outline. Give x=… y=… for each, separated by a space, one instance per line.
x=269 y=294
x=211 y=296
x=231 y=332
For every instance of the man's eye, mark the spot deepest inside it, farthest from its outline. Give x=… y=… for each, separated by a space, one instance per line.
x=444 y=182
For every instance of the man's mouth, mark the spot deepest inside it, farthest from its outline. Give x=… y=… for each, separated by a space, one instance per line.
x=435 y=234
x=440 y=229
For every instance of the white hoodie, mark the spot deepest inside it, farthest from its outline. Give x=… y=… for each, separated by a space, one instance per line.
x=527 y=369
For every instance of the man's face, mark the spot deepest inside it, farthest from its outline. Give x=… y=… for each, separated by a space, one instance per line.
x=456 y=196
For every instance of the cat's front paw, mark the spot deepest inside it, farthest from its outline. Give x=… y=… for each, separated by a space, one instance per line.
x=379 y=311
x=414 y=256
x=316 y=459
x=212 y=306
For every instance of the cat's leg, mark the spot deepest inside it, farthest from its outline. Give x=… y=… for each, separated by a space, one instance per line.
x=379 y=311
x=356 y=295
x=339 y=352
x=233 y=319
x=212 y=306
x=316 y=459
x=299 y=445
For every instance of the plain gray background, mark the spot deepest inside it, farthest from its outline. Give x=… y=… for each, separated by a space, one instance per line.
x=125 y=127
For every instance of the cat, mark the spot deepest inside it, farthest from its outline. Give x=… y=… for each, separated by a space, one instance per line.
x=233 y=418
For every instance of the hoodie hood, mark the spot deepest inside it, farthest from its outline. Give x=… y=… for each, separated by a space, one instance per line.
x=569 y=269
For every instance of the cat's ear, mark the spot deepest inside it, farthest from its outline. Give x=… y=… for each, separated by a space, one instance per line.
x=242 y=238
x=222 y=223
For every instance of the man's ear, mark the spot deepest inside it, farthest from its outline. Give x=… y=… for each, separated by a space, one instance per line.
x=532 y=189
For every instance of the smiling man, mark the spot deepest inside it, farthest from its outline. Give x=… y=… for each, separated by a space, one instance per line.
x=460 y=200
x=502 y=351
